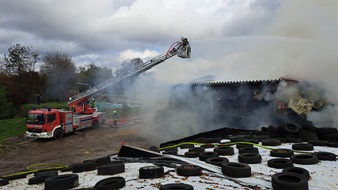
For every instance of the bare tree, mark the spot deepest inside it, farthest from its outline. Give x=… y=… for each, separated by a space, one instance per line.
x=59 y=70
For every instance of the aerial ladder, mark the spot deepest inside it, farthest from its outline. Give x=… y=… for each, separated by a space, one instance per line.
x=80 y=102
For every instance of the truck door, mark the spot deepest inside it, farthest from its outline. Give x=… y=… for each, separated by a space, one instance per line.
x=52 y=121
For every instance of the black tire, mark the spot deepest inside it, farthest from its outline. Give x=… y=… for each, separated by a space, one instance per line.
x=185 y=146
x=306 y=136
x=190 y=154
x=67 y=169
x=287 y=180
x=250 y=158
x=207 y=146
x=3 y=181
x=298 y=170
x=82 y=167
x=189 y=170
x=224 y=150
x=271 y=142
x=306 y=159
x=281 y=152
x=217 y=161
x=326 y=130
x=291 y=128
x=238 y=146
x=237 y=138
x=196 y=149
x=329 y=136
x=58 y=133
x=111 y=169
x=205 y=155
x=16 y=176
x=261 y=137
x=309 y=128
x=293 y=140
x=325 y=156
x=302 y=146
x=248 y=150
x=233 y=169
x=255 y=141
x=46 y=172
x=318 y=143
x=110 y=183
x=273 y=129
x=176 y=186
x=102 y=161
x=151 y=172
x=40 y=178
x=65 y=181
x=279 y=163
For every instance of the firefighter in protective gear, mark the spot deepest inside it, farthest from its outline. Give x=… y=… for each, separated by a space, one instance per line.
x=115 y=118
x=92 y=103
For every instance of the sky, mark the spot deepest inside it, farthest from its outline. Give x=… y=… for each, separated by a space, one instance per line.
x=230 y=39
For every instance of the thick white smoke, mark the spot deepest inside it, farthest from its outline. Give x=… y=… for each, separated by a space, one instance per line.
x=299 y=41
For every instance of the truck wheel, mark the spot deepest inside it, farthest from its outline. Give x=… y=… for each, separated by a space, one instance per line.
x=58 y=133
x=95 y=124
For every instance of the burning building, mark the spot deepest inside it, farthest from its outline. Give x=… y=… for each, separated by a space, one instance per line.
x=245 y=104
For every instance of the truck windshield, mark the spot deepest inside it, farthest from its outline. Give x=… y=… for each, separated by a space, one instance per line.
x=36 y=118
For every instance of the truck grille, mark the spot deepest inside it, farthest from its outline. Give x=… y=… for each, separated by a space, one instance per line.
x=34 y=130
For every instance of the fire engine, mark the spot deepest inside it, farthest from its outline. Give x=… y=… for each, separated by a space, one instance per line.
x=54 y=123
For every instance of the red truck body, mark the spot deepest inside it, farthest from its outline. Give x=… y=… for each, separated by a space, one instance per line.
x=53 y=123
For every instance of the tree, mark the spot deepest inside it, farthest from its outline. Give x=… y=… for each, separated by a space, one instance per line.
x=19 y=59
x=59 y=71
x=18 y=75
x=93 y=75
x=6 y=109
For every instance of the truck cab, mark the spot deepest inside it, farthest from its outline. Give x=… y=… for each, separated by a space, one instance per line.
x=42 y=123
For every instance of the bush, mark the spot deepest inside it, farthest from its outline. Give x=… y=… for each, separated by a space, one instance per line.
x=6 y=109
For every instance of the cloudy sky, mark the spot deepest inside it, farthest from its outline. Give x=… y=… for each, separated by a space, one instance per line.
x=230 y=39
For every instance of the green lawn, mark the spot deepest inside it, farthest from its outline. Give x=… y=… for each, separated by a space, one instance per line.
x=11 y=127
x=16 y=126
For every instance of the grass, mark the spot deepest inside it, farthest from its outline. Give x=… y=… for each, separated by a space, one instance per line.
x=16 y=126
x=11 y=127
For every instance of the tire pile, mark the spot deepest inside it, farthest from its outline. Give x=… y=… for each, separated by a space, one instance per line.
x=291 y=177
x=291 y=132
x=303 y=140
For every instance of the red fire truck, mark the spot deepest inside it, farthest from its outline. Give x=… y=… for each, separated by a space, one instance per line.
x=53 y=123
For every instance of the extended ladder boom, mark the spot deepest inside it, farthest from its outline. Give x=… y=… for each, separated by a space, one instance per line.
x=179 y=48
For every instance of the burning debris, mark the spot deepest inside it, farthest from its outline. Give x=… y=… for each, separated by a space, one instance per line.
x=247 y=105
